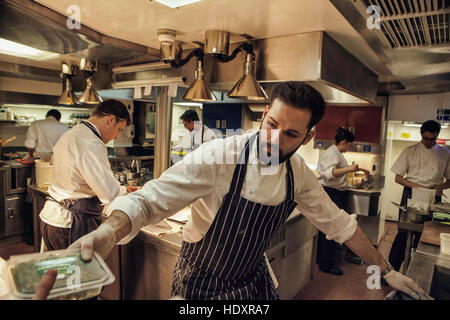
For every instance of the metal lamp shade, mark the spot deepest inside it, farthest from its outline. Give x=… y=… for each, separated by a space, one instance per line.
x=247 y=87
x=90 y=96
x=199 y=90
x=68 y=97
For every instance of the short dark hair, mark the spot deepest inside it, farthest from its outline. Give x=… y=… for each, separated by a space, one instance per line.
x=112 y=107
x=300 y=95
x=189 y=115
x=54 y=113
x=430 y=126
x=343 y=134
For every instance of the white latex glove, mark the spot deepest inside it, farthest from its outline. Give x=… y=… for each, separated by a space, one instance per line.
x=101 y=240
x=405 y=284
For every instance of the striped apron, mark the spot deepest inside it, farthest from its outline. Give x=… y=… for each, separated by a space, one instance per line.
x=228 y=263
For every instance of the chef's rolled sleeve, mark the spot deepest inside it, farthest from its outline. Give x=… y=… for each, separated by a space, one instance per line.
x=326 y=167
x=315 y=204
x=400 y=165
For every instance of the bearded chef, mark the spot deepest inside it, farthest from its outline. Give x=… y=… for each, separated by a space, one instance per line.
x=239 y=204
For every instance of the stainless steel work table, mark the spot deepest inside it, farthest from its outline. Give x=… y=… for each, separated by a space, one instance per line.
x=411 y=227
x=423 y=266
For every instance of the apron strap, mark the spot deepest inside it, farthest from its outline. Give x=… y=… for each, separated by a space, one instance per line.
x=90 y=126
x=241 y=169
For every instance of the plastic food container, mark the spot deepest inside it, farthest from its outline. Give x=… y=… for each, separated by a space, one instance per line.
x=76 y=278
x=445 y=243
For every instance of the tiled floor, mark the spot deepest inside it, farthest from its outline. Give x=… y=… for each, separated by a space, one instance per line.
x=352 y=285
x=324 y=286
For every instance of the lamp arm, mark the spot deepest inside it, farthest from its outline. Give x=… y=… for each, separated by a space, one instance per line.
x=247 y=47
x=196 y=53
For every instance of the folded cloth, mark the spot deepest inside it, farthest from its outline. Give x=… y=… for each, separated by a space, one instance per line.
x=400 y=295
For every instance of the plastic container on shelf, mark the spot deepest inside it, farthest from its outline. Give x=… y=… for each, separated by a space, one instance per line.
x=445 y=243
x=43 y=173
x=76 y=278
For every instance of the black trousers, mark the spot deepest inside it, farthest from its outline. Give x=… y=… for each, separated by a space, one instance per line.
x=326 y=249
x=397 y=253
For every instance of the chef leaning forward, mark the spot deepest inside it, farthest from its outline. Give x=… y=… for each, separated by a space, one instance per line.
x=236 y=208
x=82 y=180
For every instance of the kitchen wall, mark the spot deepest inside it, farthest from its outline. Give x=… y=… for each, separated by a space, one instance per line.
x=418 y=108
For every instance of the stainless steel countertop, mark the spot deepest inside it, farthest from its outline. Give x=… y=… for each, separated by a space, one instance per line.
x=421 y=267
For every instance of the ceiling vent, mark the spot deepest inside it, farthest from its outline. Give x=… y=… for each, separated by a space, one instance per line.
x=414 y=23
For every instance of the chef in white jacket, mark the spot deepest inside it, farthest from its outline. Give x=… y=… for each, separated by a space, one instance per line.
x=82 y=179
x=423 y=165
x=42 y=135
x=241 y=194
x=199 y=132
x=333 y=169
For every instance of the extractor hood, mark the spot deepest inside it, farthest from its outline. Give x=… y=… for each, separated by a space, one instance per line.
x=313 y=57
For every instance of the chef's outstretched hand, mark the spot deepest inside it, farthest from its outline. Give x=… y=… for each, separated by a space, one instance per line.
x=405 y=284
x=102 y=240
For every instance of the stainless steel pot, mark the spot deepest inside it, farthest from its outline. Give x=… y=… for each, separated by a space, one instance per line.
x=413 y=215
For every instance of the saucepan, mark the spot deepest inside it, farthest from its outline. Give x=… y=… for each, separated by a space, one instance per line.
x=414 y=215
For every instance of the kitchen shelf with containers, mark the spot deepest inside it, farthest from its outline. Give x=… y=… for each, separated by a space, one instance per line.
x=24 y=115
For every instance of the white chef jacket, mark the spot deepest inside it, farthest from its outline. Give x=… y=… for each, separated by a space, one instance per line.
x=427 y=167
x=42 y=135
x=81 y=169
x=203 y=178
x=328 y=160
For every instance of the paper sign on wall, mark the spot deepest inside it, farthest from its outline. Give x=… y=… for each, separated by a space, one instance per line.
x=405 y=135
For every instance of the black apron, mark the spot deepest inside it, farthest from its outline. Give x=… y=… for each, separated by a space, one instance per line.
x=228 y=263
x=194 y=145
x=86 y=212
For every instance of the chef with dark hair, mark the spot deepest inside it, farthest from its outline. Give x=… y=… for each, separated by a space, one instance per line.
x=333 y=169
x=422 y=165
x=82 y=179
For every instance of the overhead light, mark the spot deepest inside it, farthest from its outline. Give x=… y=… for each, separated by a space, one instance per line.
x=199 y=90
x=411 y=124
x=20 y=50
x=247 y=87
x=142 y=67
x=176 y=3
x=89 y=96
x=68 y=97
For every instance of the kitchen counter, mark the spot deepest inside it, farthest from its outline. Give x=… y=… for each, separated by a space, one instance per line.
x=373 y=191
x=148 y=261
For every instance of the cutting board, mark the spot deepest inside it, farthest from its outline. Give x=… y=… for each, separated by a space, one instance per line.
x=431 y=233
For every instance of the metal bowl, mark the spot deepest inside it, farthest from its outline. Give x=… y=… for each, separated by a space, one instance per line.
x=417 y=216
